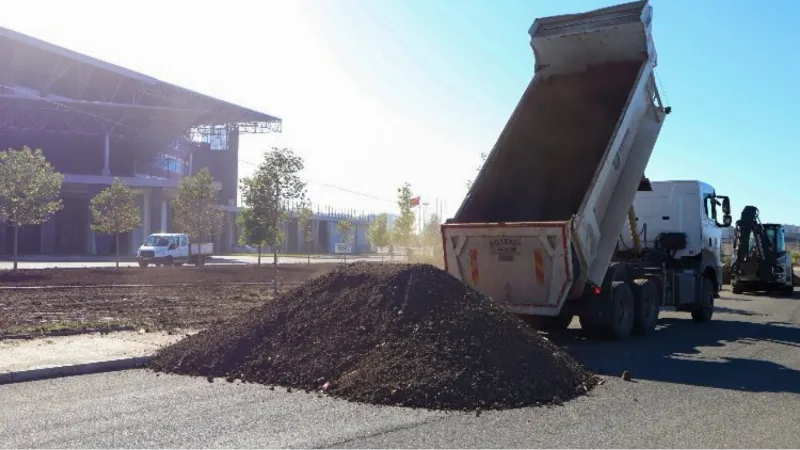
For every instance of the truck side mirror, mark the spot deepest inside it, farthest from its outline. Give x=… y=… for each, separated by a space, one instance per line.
x=727 y=220
x=726 y=205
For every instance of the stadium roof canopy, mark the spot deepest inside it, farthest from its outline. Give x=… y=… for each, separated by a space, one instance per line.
x=47 y=88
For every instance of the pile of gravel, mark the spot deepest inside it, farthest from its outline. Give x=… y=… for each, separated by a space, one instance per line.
x=393 y=334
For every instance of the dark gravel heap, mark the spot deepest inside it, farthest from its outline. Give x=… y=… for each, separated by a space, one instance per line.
x=394 y=334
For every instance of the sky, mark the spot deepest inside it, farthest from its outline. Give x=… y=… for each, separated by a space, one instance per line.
x=375 y=93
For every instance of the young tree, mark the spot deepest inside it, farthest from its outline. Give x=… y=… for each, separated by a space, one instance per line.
x=29 y=190
x=378 y=232
x=346 y=230
x=253 y=232
x=478 y=169
x=196 y=209
x=431 y=235
x=274 y=185
x=403 y=230
x=305 y=216
x=114 y=211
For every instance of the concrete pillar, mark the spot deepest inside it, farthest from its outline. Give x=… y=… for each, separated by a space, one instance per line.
x=48 y=233
x=146 y=214
x=231 y=232
x=164 y=215
x=91 y=244
x=106 y=157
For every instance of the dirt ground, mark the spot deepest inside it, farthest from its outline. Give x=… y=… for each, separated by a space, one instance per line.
x=207 y=275
x=61 y=301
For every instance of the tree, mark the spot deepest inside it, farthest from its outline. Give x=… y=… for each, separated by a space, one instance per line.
x=346 y=231
x=431 y=234
x=253 y=232
x=29 y=190
x=114 y=211
x=305 y=216
x=196 y=209
x=378 y=232
x=272 y=187
x=403 y=230
x=478 y=169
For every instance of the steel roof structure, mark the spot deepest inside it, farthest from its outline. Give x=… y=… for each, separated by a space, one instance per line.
x=49 y=89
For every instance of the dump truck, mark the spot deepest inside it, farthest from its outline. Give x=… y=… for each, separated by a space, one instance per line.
x=561 y=220
x=760 y=259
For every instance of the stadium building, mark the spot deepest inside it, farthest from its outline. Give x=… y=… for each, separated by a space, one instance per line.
x=95 y=121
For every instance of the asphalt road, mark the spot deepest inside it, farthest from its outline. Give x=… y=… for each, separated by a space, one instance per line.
x=217 y=260
x=734 y=382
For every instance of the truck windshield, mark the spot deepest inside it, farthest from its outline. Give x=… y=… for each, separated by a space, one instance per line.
x=157 y=241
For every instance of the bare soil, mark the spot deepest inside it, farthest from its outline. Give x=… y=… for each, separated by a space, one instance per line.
x=208 y=275
x=27 y=311
x=392 y=334
x=49 y=301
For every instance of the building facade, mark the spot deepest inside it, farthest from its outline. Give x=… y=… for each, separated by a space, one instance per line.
x=95 y=121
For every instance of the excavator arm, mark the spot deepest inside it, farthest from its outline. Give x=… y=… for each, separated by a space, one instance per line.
x=755 y=253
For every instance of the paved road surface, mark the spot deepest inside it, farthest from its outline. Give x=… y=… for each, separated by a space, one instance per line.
x=217 y=260
x=732 y=383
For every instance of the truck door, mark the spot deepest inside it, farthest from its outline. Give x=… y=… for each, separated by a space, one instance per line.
x=183 y=248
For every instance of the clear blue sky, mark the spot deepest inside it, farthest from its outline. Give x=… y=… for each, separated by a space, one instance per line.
x=727 y=68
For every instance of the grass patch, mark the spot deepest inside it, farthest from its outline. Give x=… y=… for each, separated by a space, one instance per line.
x=72 y=327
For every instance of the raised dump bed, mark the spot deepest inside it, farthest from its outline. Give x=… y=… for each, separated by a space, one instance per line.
x=542 y=218
x=543 y=164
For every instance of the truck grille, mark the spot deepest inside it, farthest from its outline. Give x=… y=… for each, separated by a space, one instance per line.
x=147 y=253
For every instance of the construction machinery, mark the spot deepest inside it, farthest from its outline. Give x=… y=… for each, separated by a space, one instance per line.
x=760 y=260
x=561 y=221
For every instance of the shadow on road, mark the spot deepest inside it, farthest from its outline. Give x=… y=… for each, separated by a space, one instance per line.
x=674 y=354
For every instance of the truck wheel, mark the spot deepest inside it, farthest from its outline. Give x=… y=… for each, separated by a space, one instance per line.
x=201 y=261
x=169 y=262
x=619 y=324
x=645 y=307
x=787 y=290
x=704 y=307
x=737 y=288
x=142 y=264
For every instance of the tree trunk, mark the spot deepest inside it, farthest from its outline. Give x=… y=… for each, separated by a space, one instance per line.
x=117 y=248
x=259 y=255
x=16 y=244
x=308 y=250
x=275 y=262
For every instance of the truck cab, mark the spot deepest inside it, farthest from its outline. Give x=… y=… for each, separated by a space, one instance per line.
x=168 y=249
x=690 y=206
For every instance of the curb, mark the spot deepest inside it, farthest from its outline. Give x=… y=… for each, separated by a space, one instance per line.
x=111 y=365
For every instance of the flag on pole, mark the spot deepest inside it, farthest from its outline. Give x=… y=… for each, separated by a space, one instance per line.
x=415 y=201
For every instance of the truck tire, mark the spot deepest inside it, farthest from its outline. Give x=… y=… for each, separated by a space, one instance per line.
x=646 y=306
x=620 y=320
x=737 y=288
x=787 y=290
x=143 y=264
x=201 y=260
x=169 y=262
x=704 y=306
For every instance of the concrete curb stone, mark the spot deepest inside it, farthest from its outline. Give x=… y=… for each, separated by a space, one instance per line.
x=110 y=365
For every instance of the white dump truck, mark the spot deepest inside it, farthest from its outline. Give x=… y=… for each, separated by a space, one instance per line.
x=173 y=249
x=561 y=221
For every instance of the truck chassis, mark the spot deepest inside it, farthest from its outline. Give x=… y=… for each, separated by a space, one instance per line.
x=634 y=291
